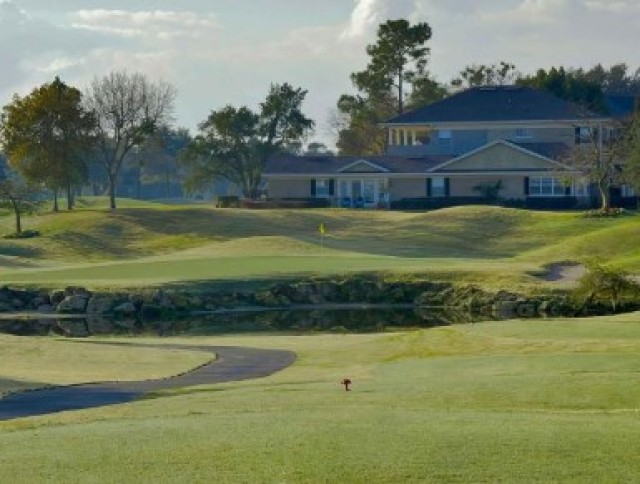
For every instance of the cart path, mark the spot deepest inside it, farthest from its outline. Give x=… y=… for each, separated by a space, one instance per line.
x=232 y=364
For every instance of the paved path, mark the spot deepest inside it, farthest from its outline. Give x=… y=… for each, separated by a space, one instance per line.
x=232 y=364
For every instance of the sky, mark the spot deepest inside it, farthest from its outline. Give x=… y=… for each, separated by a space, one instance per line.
x=219 y=52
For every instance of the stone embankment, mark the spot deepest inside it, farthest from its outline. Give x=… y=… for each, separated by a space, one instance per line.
x=312 y=292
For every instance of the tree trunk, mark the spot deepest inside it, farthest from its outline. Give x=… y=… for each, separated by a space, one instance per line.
x=112 y=192
x=56 y=208
x=69 y=198
x=605 y=197
x=16 y=209
x=400 y=94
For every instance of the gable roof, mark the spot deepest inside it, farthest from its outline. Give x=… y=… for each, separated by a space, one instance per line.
x=369 y=166
x=509 y=145
x=497 y=103
x=333 y=165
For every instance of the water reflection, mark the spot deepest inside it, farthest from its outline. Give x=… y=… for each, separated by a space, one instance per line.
x=331 y=320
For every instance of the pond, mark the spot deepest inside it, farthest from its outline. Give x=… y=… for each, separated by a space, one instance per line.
x=363 y=319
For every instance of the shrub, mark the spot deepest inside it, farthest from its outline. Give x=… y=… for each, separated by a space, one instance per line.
x=230 y=201
x=602 y=284
x=611 y=212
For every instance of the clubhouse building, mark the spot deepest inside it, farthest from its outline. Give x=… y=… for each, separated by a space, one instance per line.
x=485 y=144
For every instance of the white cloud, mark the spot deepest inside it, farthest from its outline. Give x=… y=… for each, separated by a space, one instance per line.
x=214 y=59
x=154 y=25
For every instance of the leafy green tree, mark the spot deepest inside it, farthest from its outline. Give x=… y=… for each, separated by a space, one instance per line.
x=358 y=124
x=571 y=85
x=617 y=79
x=399 y=55
x=18 y=195
x=425 y=90
x=235 y=143
x=475 y=75
x=46 y=136
x=396 y=61
x=631 y=165
x=128 y=109
x=317 y=148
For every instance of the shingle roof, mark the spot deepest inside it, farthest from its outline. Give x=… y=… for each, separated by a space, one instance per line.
x=328 y=165
x=497 y=103
x=554 y=151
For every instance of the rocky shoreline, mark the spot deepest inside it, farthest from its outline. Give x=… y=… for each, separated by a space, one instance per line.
x=156 y=303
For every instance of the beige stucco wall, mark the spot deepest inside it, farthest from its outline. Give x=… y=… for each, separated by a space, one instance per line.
x=500 y=157
x=299 y=188
x=512 y=185
x=408 y=188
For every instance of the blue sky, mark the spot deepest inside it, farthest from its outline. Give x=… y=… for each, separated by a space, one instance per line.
x=218 y=52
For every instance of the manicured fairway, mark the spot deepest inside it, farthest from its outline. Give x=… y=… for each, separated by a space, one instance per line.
x=512 y=401
x=145 y=243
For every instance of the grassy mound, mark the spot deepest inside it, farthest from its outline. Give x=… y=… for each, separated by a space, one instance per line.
x=143 y=243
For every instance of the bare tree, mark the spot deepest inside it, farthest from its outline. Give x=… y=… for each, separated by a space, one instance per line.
x=599 y=154
x=129 y=108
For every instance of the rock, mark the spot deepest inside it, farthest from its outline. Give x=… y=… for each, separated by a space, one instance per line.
x=268 y=299
x=56 y=297
x=76 y=291
x=73 y=304
x=125 y=308
x=45 y=308
x=40 y=300
x=505 y=309
x=526 y=310
x=17 y=303
x=100 y=305
x=150 y=311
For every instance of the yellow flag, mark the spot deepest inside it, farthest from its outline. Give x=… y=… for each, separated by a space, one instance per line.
x=322 y=229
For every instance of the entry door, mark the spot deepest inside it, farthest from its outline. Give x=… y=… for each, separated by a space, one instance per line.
x=369 y=192
x=356 y=189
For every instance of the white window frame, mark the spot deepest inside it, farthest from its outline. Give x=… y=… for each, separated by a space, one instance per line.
x=438 y=187
x=445 y=137
x=546 y=186
x=627 y=191
x=322 y=188
x=581 y=188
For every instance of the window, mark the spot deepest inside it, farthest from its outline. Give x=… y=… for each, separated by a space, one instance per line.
x=546 y=187
x=322 y=188
x=438 y=187
x=394 y=137
x=581 y=189
x=627 y=191
x=444 y=137
x=524 y=133
x=583 y=135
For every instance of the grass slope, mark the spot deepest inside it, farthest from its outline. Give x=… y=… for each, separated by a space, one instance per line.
x=144 y=243
x=513 y=401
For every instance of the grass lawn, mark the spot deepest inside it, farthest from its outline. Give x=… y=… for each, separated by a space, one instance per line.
x=35 y=362
x=553 y=400
x=145 y=243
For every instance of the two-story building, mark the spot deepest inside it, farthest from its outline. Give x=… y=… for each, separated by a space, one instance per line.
x=511 y=141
